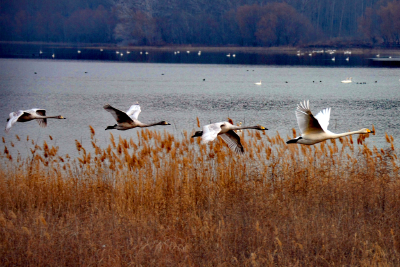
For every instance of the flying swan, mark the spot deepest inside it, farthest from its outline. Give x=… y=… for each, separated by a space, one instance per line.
x=315 y=129
x=28 y=115
x=226 y=131
x=128 y=120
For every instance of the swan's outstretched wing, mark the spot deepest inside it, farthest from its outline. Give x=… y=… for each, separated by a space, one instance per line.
x=134 y=111
x=118 y=115
x=210 y=132
x=307 y=123
x=233 y=141
x=323 y=118
x=13 y=119
x=40 y=112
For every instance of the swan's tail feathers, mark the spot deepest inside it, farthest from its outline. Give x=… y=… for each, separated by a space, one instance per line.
x=293 y=141
x=197 y=134
x=111 y=127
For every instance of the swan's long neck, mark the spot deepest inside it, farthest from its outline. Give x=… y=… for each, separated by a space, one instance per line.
x=49 y=117
x=235 y=127
x=347 y=133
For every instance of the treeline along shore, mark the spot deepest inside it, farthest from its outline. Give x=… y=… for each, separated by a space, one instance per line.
x=208 y=23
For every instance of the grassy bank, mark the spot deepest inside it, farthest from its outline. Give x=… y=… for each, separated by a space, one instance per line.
x=168 y=202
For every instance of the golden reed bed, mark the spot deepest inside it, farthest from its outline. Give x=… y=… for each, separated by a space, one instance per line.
x=168 y=202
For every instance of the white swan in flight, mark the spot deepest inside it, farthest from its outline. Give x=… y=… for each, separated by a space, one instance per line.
x=28 y=115
x=348 y=80
x=128 y=120
x=226 y=131
x=315 y=129
x=258 y=83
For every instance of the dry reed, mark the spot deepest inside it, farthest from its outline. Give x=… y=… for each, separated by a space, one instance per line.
x=167 y=202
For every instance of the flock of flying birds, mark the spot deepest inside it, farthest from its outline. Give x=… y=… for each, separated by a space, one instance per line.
x=314 y=129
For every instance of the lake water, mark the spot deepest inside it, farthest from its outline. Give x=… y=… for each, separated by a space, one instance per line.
x=178 y=94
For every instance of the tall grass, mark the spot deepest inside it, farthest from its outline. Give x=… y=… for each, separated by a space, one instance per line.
x=161 y=201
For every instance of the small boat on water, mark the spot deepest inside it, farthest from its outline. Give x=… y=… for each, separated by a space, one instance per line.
x=348 y=80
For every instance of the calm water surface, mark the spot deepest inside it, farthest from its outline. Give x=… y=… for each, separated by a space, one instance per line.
x=177 y=93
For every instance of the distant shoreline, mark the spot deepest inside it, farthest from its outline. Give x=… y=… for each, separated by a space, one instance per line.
x=228 y=49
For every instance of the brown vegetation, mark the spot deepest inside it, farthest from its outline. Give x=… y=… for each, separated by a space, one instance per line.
x=168 y=202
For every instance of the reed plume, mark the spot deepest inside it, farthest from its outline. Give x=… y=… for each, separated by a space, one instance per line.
x=168 y=201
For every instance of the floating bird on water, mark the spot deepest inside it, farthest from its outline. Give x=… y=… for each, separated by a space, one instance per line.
x=28 y=115
x=258 y=83
x=226 y=131
x=348 y=80
x=128 y=120
x=314 y=129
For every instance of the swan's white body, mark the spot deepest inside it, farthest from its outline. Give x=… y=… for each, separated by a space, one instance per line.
x=226 y=131
x=258 y=83
x=27 y=115
x=315 y=129
x=128 y=120
x=348 y=80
